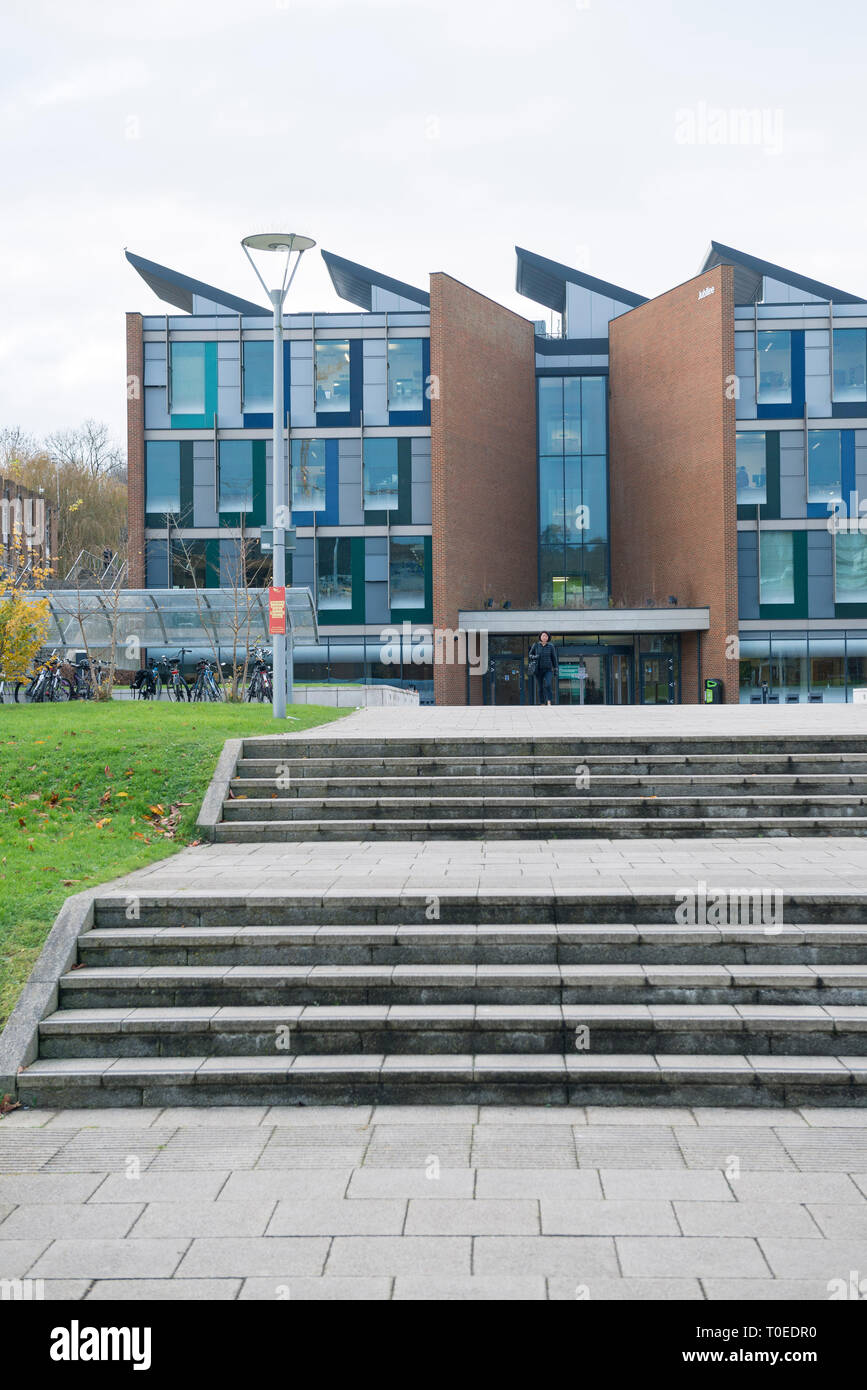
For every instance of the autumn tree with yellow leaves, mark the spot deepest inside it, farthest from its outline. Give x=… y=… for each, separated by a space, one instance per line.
x=23 y=618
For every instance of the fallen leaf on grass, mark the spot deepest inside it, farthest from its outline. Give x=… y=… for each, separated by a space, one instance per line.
x=101 y=823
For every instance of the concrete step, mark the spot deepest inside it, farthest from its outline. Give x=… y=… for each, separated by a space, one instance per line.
x=183 y=985
x=530 y=807
x=538 y=828
x=310 y=909
x=474 y=944
x=519 y=748
x=553 y=785
x=459 y=1028
x=663 y=1078
x=725 y=764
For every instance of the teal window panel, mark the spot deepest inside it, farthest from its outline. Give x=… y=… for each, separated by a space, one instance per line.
x=751 y=468
x=162 y=480
x=197 y=381
x=400 y=614
x=783 y=574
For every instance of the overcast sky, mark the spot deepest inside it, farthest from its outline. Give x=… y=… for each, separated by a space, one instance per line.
x=410 y=135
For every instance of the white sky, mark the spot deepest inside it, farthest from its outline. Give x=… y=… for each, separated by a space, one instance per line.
x=409 y=135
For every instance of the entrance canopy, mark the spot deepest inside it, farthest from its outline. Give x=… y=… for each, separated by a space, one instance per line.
x=627 y=621
x=170 y=617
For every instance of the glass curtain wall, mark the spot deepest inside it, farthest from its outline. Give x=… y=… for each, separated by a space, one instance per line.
x=573 y=491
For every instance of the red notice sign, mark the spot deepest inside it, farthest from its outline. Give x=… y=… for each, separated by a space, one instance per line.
x=277 y=612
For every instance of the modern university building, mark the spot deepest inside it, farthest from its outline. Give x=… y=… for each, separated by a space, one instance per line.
x=670 y=486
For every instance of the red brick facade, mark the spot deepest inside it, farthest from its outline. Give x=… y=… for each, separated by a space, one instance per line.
x=672 y=466
x=135 y=448
x=483 y=463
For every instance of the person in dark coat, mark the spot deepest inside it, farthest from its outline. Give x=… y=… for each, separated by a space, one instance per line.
x=544 y=665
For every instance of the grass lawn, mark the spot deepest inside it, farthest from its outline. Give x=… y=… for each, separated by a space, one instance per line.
x=91 y=791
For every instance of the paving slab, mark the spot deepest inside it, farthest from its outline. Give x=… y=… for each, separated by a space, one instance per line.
x=106 y=1259
x=264 y=1256
x=193 y=1219
x=324 y=1217
x=469 y=1290
x=608 y=1218
x=480 y=1216
x=164 y=1290
x=627 y=1290
x=394 y=1255
x=661 y=1256
x=581 y=1257
x=299 y=1288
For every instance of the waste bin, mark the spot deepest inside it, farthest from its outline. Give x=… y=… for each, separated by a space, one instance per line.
x=713 y=691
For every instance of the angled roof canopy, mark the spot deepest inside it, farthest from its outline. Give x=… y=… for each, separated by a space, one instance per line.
x=545 y=282
x=356 y=282
x=750 y=271
x=177 y=289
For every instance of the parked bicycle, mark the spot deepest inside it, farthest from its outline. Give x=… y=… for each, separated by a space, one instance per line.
x=49 y=682
x=259 y=687
x=148 y=682
x=206 y=686
x=175 y=684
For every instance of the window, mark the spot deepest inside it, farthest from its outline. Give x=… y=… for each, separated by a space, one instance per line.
x=850 y=567
x=776 y=567
x=405 y=374
x=334 y=572
x=308 y=475
x=258 y=377
x=189 y=565
x=752 y=484
x=824 y=481
x=573 y=490
x=593 y=414
x=236 y=475
x=162 y=477
x=550 y=414
x=406 y=572
x=332 y=376
x=380 y=475
x=775 y=367
x=188 y=379
x=850 y=364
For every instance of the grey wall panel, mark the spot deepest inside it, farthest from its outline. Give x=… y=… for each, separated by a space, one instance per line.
x=820 y=596
x=204 y=508
x=154 y=364
x=375 y=392
x=350 y=461
x=229 y=416
x=376 y=545
x=376 y=603
x=156 y=416
x=375 y=567
x=301 y=407
x=351 y=512
x=793 y=495
x=422 y=507
x=819 y=553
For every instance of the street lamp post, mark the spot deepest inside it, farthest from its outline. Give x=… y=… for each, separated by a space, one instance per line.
x=288 y=244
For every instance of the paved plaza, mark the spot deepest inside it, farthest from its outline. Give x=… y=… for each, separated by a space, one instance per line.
x=416 y=1203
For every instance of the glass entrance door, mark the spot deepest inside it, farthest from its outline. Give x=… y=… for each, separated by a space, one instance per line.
x=582 y=680
x=620 y=678
x=657 y=680
x=507 y=680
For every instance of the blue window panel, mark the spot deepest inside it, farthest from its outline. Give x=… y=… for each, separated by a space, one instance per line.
x=258 y=376
x=334 y=419
x=264 y=419
x=330 y=516
x=824 y=472
x=422 y=416
x=236 y=475
x=162 y=477
x=795 y=408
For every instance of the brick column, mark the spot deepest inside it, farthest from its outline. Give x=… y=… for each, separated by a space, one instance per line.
x=672 y=465
x=483 y=463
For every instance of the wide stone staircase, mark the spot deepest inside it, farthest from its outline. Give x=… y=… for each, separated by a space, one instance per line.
x=419 y=789
x=357 y=995
x=210 y=1000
